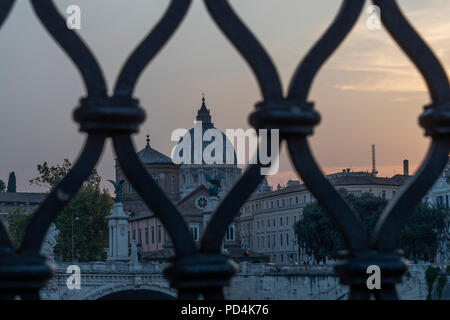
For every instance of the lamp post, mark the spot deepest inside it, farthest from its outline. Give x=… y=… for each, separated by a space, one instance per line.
x=76 y=218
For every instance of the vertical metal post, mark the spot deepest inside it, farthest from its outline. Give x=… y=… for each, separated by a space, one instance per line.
x=72 y=236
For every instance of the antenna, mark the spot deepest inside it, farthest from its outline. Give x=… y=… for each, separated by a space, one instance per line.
x=374 y=166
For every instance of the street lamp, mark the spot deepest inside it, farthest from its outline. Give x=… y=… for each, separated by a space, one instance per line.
x=76 y=218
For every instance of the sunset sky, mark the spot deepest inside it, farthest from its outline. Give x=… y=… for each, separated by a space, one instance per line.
x=367 y=93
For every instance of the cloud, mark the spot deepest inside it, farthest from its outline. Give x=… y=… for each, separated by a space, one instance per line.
x=372 y=62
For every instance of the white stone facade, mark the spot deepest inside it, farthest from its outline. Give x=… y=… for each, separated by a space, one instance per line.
x=118 y=234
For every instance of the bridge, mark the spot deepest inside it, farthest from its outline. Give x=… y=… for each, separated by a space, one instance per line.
x=122 y=280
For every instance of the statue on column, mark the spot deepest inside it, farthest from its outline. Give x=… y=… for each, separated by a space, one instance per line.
x=47 y=249
x=118 y=186
x=49 y=243
x=215 y=187
x=118 y=227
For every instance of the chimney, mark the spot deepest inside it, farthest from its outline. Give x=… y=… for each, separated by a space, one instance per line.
x=374 y=167
x=405 y=167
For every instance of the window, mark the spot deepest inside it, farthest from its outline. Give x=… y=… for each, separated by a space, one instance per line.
x=258 y=224
x=201 y=203
x=383 y=194
x=287 y=240
x=268 y=241
x=153 y=235
x=393 y=193
x=274 y=244
x=287 y=221
x=283 y=202
x=268 y=223
x=172 y=184
x=296 y=200
x=134 y=235
x=229 y=235
x=130 y=188
x=273 y=222
x=146 y=235
x=281 y=257
x=278 y=203
x=159 y=233
x=281 y=221
x=194 y=230
x=281 y=240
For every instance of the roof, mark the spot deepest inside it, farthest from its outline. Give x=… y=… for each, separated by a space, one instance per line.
x=395 y=181
x=147 y=213
x=22 y=197
x=368 y=180
x=149 y=155
x=204 y=121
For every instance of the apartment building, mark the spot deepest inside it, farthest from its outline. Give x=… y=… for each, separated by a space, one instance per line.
x=267 y=219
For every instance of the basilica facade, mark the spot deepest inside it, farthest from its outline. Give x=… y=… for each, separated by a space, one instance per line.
x=187 y=186
x=193 y=175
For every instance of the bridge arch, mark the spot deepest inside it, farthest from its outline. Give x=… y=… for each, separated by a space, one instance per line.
x=131 y=291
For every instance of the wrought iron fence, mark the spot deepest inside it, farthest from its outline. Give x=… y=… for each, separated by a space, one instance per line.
x=205 y=271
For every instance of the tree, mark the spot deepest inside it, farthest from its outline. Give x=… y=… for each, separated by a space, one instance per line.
x=318 y=236
x=2 y=186
x=89 y=207
x=11 y=182
x=18 y=220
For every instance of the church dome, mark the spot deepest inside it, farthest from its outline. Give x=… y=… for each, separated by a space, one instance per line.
x=204 y=116
x=149 y=155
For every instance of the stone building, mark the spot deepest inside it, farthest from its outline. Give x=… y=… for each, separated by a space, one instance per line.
x=187 y=188
x=267 y=219
x=11 y=201
x=193 y=175
x=438 y=196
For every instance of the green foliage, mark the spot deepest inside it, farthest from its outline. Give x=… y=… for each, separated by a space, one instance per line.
x=313 y=223
x=430 y=276
x=17 y=223
x=50 y=176
x=89 y=208
x=318 y=236
x=12 y=182
x=2 y=186
x=442 y=281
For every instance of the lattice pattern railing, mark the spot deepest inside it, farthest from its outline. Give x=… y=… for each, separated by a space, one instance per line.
x=204 y=271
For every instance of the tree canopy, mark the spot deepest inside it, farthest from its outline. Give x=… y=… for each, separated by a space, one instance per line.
x=2 y=186
x=89 y=208
x=17 y=222
x=319 y=237
x=12 y=182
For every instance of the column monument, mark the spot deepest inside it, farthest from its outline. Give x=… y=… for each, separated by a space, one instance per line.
x=118 y=227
